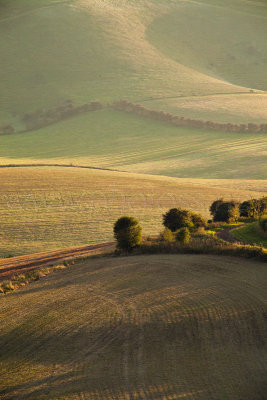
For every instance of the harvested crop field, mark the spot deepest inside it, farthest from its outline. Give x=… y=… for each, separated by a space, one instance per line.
x=142 y=327
x=49 y=208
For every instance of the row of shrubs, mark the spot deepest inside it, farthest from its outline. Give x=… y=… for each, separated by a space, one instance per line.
x=177 y=120
x=231 y=211
x=42 y=118
x=7 y=130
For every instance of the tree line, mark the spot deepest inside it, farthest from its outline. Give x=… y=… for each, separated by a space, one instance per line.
x=41 y=118
x=177 y=120
x=180 y=224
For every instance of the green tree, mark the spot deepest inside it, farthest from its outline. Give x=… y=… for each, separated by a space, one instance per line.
x=198 y=220
x=227 y=212
x=128 y=233
x=177 y=218
x=215 y=205
x=183 y=235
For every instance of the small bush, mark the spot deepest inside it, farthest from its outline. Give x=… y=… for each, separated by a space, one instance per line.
x=183 y=235
x=128 y=233
x=166 y=235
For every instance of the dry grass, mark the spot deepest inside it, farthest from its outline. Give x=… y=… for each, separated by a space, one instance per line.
x=49 y=208
x=144 y=327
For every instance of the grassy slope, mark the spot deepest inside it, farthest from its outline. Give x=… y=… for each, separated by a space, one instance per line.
x=120 y=141
x=50 y=208
x=107 y=50
x=153 y=327
x=250 y=234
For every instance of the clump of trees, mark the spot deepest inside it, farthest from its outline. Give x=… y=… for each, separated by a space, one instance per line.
x=231 y=211
x=177 y=120
x=6 y=130
x=253 y=208
x=42 y=118
x=128 y=233
x=177 y=218
x=225 y=211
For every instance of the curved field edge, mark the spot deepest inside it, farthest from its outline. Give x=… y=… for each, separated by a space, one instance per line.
x=114 y=140
x=47 y=208
x=159 y=322
x=251 y=234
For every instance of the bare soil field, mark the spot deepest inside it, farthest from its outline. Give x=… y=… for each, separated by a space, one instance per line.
x=144 y=327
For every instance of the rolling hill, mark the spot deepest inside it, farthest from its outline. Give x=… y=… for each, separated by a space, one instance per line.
x=108 y=49
x=209 y=64
x=112 y=139
x=144 y=327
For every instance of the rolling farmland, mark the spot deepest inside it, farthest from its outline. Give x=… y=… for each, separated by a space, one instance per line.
x=143 y=327
x=112 y=139
x=49 y=208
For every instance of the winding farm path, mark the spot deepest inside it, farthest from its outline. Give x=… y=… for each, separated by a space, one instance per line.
x=226 y=234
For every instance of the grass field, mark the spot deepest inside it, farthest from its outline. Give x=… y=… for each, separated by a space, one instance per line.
x=112 y=139
x=134 y=50
x=49 y=208
x=250 y=234
x=145 y=327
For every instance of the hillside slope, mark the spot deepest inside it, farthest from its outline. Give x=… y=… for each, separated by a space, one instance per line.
x=106 y=49
x=146 y=327
x=115 y=140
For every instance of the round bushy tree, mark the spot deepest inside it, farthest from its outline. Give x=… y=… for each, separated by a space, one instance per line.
x=250 y=208
x=183 y=235
x=177 y=218
x=227 y=212
x=198 y=220
x=128 y=233
x=215 y=205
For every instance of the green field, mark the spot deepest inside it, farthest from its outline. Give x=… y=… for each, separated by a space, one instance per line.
x=250 y=234
x=144 y=327
x=115 y=140
x=199 y=59
x=108 y=49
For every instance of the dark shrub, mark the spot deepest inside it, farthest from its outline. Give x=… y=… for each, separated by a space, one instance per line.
x=227 y=212
x=177 y=218
x=215 y=205
x=183 y=235
x=198 y=220
x=128 y=233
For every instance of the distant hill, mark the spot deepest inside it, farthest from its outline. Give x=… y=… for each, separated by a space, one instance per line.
x=142 y=49
x=204 y=60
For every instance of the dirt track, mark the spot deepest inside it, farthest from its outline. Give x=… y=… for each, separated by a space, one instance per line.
x=11 y=266
x=226 y=235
